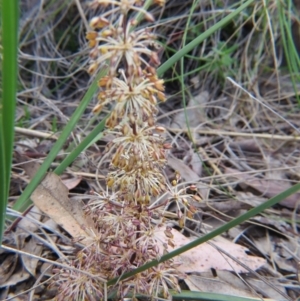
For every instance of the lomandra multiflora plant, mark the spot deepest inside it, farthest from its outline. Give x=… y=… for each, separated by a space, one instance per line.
x=130 y=210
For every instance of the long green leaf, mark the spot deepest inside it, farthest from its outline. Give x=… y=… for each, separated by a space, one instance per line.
x=290 y=51
x=81 y=147
x=9 y=14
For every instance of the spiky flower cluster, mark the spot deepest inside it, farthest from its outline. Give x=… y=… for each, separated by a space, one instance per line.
x=127 y=213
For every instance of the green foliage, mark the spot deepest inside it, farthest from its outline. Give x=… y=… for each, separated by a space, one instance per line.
x=25 y=119
x=54 y=124
x=220 y=61
x=291 y=54
x=190 y=46
x=9 y=14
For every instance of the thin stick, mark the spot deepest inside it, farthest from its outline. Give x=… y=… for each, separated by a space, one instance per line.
x=237 y=134
x=82 y=14
x=35 y=133
x=262 y=103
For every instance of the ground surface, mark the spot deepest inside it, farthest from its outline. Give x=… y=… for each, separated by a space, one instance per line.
x=233 y=120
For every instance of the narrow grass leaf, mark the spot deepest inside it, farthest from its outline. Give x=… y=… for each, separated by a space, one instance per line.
x=9 y=12
x=80 y=148
x=291 y=53
x=190 y=46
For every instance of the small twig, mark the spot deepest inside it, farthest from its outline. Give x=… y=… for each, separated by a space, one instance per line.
x=87 y=174
x=213 y=165
x=82 y=15
x=237 y=134
x=35 y=133
x=263 y=104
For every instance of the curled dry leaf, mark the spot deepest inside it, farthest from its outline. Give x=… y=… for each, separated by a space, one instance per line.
x=72 y=182
x=205 y=257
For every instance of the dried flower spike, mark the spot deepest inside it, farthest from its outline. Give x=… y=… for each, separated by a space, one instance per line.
x=127 y=212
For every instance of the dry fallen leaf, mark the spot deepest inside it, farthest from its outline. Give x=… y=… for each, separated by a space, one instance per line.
x=265 y=289
x=7 y=268
x=196 y=163
x=27 y=222
x=185 y=172
x=268 y=187
x=72 y=182
x=278 y=224
x=32 y=247
x=205 y=257
x=194 y=114
x=51 y=197
x=16 y=277
x=224 y=283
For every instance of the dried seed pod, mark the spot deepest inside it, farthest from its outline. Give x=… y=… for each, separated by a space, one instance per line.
x=99 y=22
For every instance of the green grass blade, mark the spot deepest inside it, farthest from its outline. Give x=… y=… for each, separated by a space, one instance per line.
x=23 y=201
x=190 y=46
x=291 y=53
x=240 y=219
x=81 y=147
x=9 y=12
